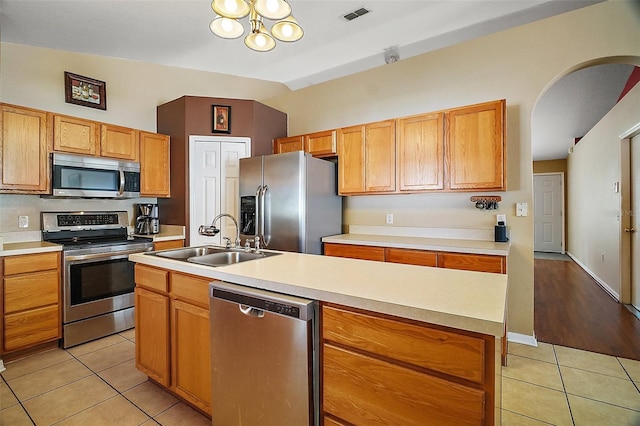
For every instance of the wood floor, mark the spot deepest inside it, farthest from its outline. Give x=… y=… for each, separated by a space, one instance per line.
x=572 y=310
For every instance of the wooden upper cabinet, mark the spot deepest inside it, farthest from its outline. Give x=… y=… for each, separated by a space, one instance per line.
x=118 y=142
x=75 y=135
x=24 y=147
x=380 y=156
x=288 y=144
x=154 y=165
x=476 y=157
x=351 y=157
x=321 y=144
x=421 y=152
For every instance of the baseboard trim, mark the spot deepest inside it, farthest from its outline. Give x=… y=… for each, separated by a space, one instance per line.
x=524 y=339
x=601 y=283
x=2 y=366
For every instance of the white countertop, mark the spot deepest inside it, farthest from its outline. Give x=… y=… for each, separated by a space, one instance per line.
x=473 y=301
x=422 y=243
x=31 y=247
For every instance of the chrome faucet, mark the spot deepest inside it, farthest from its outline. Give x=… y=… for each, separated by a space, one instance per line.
x=210 y=231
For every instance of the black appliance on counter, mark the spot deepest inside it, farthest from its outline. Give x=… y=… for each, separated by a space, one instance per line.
x=97 y=276
x=147 y=222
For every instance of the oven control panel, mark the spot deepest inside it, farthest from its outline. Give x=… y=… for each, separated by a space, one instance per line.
x=87 y=219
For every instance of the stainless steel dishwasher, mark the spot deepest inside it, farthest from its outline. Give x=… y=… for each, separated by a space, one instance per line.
x=263 y=357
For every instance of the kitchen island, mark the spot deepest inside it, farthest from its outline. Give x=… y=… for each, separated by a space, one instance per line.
x=445 y=316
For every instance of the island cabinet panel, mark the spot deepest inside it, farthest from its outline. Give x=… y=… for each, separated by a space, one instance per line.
x=476 y=147
x=118 y=142
x=473 y=262
x=421 y=152
x=437 y=350
x=30 y=298
x=190 y=353
x=354 y=251
x=411 y=257
x=24 y=148
x=152 y=335
x=383 y=370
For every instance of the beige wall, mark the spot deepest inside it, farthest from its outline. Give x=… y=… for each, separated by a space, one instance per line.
x=594 y=226
x=516 y=65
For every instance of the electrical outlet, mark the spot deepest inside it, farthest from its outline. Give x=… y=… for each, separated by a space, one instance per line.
x=23 y=221
x=501 y=218
x=389 y=218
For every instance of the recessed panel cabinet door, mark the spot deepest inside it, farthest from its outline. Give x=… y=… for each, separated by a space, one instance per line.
x=24 y=165
x=118 y=142
x=152 y=335
x=476 y=147
x=154 y=165
x=75 y=135
x=289 y=144
x=351 y=157
x=421 y=152
x=380 y=156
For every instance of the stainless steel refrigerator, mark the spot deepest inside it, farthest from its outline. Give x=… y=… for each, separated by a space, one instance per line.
x=290 y=201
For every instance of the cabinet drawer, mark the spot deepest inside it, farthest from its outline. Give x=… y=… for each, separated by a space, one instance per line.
x=434 y=349
x=29 y=291
x=31 y=263
x=166 y=245
x=367 y=391
x=411 y=257
x=190 y=288
x=31 y=327
x=153 y=278
x=354 y=251
x=473 y=262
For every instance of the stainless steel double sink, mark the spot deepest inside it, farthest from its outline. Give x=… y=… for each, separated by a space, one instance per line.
x=212 y=255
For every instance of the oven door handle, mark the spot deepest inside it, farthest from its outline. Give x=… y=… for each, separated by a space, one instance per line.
x=109 y=255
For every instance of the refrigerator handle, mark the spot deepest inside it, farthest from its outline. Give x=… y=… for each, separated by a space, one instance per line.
x=258 y=217
x=265 y=237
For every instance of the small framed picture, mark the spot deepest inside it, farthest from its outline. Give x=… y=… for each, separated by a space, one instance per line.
x=85 y=91
x=221 y=119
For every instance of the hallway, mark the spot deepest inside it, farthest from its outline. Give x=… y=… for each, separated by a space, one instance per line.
x=572 y=310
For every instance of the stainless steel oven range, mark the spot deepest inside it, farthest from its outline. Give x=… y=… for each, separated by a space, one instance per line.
x=97 y=276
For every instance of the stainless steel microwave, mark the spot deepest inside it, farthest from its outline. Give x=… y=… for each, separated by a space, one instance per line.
x=94 y=177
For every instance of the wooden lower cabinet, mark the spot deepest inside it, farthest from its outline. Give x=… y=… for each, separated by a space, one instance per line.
x=165 y=245
x=354 y=251
x=381 y=370
x=473 y=262
x=172 y=333
x=30 y=301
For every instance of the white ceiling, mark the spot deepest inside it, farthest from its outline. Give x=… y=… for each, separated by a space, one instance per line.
x=176 y=33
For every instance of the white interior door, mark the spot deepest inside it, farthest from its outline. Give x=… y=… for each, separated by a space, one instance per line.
x=634 y=159
x=548 y=201
x=214 y=164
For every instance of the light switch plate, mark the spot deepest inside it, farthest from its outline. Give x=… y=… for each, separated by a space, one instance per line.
x=23 y=221
x=521 y=209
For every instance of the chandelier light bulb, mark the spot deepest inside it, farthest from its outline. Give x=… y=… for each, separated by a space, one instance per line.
x=287 y=30
x=260 y=40
x=272 y=6
x=226 y=24
x=231 y=6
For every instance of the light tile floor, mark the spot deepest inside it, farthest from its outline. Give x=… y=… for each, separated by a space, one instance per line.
x=92 y=384
x=97 y=384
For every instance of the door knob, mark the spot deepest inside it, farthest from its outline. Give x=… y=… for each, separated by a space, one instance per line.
x=630 y=230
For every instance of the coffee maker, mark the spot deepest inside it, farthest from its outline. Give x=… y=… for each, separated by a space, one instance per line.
x=147 y=221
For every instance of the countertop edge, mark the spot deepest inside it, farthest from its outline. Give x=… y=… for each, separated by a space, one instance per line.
x=34 y=247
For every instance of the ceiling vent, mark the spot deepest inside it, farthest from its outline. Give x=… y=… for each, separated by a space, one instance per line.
x=356 y=14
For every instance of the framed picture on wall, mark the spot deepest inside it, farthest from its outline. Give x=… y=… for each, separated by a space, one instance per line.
x=221 y=119
x=85 y=91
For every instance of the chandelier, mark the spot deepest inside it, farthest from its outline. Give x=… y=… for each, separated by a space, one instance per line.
x=227 y=25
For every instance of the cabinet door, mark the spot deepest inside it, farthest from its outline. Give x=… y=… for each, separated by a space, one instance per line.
x=75 y=135
x=289 y=144
x=32 y=327
x=118 y=142
x=351 y=157
x=152 y=335
x=380 y=157
x=321 y=144
x=354 y=251
x=191 y=358
x=473 y=262
x=476 y=147
x=154 y=165
x=34 y=290
x=421 y=152
x=24 y=163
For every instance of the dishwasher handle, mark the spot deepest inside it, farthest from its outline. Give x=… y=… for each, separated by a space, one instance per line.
x=251 y=311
